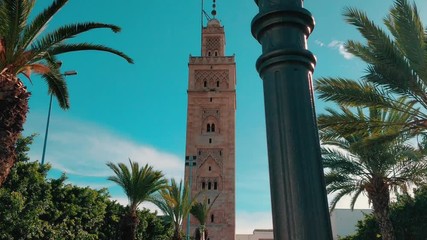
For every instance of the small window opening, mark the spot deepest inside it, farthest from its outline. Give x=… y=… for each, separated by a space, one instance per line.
x=200 y=153
x=210 y=99
x=215 y=185
x=216 y=53
x=220 y=152
x=208 y=128
x=209 y=201
x=212 y=218
x=209 y=185
x=213 y=127
x=210 y=168
x=205 y=84
x=217 y=83
x=209 y=53
x=210 y=140
x=203 y=185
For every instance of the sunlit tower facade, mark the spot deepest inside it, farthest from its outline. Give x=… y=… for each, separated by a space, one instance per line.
x=210 y=141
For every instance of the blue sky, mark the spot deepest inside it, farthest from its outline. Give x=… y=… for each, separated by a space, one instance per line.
x=120 y=111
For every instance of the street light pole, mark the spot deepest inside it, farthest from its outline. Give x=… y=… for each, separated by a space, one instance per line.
x=67 y=73
x=298 y=194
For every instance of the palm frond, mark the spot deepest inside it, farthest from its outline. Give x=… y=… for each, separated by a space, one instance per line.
x=56 y=83
x=175 y=201
x=348 y=92
x=356 y=196
x=65 y=48
x=32 y=30
x=138 y=183
x=387 y=64
x=14 y=16
x=40 y=47
x=200 y=210
x=405 y=25
x=343 y=192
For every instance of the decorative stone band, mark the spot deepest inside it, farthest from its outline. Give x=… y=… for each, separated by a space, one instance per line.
x=204 y=60
x=210 y=112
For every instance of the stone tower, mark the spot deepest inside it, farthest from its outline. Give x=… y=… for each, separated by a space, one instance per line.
x=210 y=143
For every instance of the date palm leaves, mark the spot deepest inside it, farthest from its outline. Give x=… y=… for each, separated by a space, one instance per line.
x=26 y=48
x=396 y=75
x=139 y=185
x=365 y=140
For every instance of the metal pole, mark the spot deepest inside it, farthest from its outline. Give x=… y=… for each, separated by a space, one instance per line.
x=298 y=195
x=47 y=129
x=67 y=73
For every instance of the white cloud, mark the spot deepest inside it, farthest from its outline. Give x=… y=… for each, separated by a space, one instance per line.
x=320 y=43
x=335 y=44
x=83 y=149
x=246 y=222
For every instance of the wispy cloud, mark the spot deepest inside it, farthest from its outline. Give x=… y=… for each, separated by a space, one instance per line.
x=83 y=149
x=320 y=43
x=339 y=45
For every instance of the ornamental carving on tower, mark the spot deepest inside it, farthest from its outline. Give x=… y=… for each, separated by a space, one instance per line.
x=214 y=153
x=211 y=78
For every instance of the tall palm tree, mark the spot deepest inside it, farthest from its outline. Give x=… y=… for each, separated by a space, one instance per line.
x=356 y=164
x=25 y=48
x=396 y=66
x=200 y=211
x=175 y=202
x=139 y=184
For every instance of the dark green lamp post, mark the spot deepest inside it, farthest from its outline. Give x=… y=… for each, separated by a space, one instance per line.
x=298 y=195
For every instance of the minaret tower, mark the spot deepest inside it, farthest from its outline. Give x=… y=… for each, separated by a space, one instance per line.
x=210 y=143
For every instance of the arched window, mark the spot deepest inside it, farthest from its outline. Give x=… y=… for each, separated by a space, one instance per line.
x=210 y=140
x=217 y=83
x=216 y=53
x=209 y=185
x=205 y=84
x=213 y=127
x=209 y=53
x=209 y=201
x=203 y=185
x=215 y=185
x=212 y=218
x=208 y=128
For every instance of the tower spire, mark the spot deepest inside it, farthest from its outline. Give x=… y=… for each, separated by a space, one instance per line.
x=213 y=9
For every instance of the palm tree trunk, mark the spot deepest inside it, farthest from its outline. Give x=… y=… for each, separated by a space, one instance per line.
x=177 y=233
x=13 y=113
x=129 y=226
x=380 y=197
x=202 y=232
